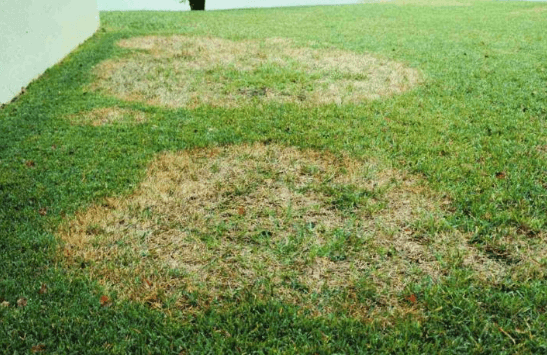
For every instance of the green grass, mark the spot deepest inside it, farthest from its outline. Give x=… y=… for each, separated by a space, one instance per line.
x=475 y=130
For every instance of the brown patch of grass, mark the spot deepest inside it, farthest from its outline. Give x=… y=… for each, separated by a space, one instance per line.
x=533 y=10
x=106 y=116
x=181 y=71
x=323 y=231
x=522 y=253
x=433 y=3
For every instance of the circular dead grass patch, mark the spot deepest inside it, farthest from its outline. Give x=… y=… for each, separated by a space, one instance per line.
x=180 y=71
x=106 y=116
x=434 y=3
x=302 y=226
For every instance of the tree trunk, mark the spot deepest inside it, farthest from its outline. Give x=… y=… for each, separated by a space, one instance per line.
x=197 y=5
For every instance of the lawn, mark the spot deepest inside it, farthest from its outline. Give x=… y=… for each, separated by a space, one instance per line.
x=366 y=178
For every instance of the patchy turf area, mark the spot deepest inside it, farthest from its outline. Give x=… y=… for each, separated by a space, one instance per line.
x=294 y=225
x=366 y=178
x=303 y=227
x=183 y=71
x=107 y=116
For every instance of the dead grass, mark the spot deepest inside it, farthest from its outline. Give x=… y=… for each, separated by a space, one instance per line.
x=302 y=226
x=106 y=116
x=180 y=71
x=434 y=3
x=534 y=10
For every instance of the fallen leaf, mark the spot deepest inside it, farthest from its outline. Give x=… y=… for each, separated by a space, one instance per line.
x=38 y=348
x=30 y=163
x=104 y=301
x=4 y=304
x=412 y=298
x=241 y=211
x=22 y=302
x=42 y=211
x=500 y=175
x=43 y=289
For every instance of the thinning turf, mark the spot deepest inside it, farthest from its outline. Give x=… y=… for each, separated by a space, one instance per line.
x=306 y=228
x=184 y=71
x=474 y=130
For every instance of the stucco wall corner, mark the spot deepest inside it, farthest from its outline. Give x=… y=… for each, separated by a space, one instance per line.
x=36 y=34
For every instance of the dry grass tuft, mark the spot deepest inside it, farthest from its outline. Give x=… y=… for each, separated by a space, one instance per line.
x=180 y=71
x=433 y=3
x=533 y=10
x=107 y=115
x=306 y=227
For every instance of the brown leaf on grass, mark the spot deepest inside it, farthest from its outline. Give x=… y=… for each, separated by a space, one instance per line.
x=412 y=298
x=500 y=175
x=105 y=301
x=241 y=211
x=38 y=348
x=42 y=211
x=22 y=302
x=43 y=289
x=30 y=163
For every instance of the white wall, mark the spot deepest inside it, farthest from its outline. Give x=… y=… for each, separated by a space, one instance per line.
x=36 y=34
